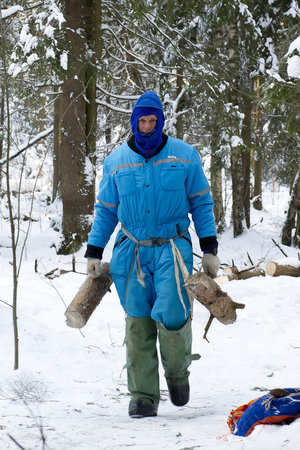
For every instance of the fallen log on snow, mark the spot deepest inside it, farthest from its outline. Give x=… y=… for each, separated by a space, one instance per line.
x=88 y=298
x=234 y=274
x=210 y=295
x=275 y=270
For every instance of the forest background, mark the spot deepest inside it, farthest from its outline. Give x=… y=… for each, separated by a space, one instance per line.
x=228 y=74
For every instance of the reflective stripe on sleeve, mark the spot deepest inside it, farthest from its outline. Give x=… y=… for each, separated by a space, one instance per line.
x=109 y=205
x=205 y=191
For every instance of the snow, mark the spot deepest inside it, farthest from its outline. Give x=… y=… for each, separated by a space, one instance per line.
x=293 y=62
x=10 y=11
x=71 y=386
x=294 y=10
x=64 y=60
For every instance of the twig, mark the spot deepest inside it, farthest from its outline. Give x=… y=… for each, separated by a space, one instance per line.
x=51 y=272
x=48 y=281
x=250 y=259
x=16 y=442
x=6 y=303
x=277 y=245
x=207 y=327
x=198 y=256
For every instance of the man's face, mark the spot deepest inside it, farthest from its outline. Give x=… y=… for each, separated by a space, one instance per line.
x=147 y=123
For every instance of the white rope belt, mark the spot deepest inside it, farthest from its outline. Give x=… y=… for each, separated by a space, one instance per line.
x=177 y=257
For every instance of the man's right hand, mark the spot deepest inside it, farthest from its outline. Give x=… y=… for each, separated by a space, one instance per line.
x=93 y=267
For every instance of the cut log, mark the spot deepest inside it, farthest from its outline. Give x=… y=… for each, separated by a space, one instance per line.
x=234 y=274
x=209 y=294
x=88 y=298
x=275 y=270
x=222 y=279
x=230 y=273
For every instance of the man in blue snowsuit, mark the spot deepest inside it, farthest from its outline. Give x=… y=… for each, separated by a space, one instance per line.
x=150 y=184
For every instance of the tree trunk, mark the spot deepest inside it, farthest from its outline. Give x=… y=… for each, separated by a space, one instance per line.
x=2 y=98
x=258 y=163
x=246 y=155
x=56 y=148
x=216 y=165
x=78 y=122
x=257 y=190
x=179 y=119
x=292 y=217
x=236 y=146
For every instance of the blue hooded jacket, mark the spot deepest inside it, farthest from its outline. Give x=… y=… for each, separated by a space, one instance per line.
x=152 y=198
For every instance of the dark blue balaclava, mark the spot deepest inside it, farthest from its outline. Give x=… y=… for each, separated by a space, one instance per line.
x=148 y=103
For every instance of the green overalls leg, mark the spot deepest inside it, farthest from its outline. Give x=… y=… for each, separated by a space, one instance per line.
x=142 y=366
x=175 y=349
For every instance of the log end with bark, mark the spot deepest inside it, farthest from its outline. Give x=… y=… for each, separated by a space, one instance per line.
x=209 y=294
x=275 y=270
x=234 y=274
x=88 y=298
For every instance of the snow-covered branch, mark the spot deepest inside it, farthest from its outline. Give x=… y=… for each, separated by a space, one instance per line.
x=9 y=12
x=113 y=108
x=135 y=56
x=119 y=97
x=32 y=142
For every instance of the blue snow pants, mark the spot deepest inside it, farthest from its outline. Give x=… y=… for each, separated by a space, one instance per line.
x=159 y=298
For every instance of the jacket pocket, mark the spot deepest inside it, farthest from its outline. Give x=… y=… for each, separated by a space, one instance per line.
x=173 y=178
x=125 y=184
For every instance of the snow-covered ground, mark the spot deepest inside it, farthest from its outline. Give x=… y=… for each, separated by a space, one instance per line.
x=70 y=389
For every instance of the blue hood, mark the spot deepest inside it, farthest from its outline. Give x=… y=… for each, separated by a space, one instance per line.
x=148 y=103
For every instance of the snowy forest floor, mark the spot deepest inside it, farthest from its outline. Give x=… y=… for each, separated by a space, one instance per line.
x=70 y=389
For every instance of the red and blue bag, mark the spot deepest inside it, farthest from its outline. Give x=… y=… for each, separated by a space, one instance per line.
x=279 y=406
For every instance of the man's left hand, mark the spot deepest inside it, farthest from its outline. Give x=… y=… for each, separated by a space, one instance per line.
x=211 y=264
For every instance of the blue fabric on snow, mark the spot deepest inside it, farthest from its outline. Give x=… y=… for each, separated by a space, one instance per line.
x=148 y=103
x=152 y=199
x=267 y=409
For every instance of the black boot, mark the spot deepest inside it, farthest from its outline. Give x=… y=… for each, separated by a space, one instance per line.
x=179 y=395
x=141 y=408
